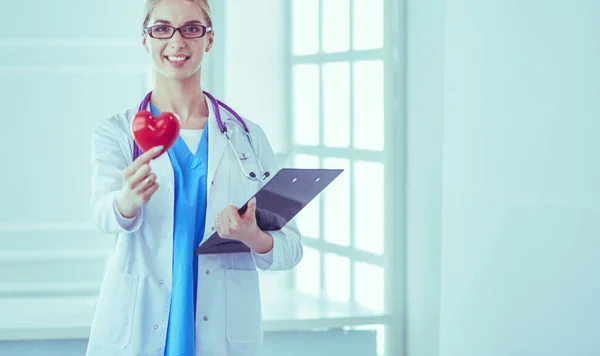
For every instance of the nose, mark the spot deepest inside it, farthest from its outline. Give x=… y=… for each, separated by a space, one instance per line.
x=177 y=40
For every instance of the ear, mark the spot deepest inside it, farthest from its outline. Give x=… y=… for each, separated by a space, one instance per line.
x=211 y=38
x=144 y=44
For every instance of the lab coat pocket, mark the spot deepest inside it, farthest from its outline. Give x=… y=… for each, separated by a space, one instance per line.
x=114 y=311
x=244 y=324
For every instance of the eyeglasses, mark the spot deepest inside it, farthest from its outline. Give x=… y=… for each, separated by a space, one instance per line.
x=187 y=31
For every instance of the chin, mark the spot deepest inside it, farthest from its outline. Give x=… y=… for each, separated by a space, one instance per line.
x=178 y=74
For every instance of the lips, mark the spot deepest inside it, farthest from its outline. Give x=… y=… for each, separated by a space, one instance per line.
x=177 y=59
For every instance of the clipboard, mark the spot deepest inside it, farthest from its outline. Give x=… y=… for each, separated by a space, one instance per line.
x=278 y=202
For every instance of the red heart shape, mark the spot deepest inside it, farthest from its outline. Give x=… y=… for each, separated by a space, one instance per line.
x=150 y=131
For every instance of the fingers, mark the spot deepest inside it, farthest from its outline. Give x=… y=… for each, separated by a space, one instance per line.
x=232 y=217
x=143 y=184
x=251 y=208
x=143 y=159
x=147 y=193
x=134 y=180
x=139 y=182
x=219 y=226
x=227 y=221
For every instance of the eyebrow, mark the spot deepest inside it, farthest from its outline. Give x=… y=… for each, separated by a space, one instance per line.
x=186 y=23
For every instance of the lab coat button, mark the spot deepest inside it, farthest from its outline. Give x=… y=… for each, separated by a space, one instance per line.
x=212 y=182
x=155 y=327
x=207 y=272
x=161 y=281
x=205 y=318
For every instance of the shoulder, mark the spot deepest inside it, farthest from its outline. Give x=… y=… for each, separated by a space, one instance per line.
x=118 y=124
x=256 y=131
x=253 y=126
x=258 y=136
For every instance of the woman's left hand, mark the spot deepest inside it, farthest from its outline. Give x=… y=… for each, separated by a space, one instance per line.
x=229 y=224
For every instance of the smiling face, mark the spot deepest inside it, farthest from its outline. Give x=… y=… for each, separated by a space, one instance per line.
x=178 y=57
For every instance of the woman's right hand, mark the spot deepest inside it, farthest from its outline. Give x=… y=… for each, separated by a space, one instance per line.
x=139 y=184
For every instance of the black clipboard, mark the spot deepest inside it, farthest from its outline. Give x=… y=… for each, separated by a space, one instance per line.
x=279 y=201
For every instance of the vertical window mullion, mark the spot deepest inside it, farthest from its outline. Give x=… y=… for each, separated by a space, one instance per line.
x=289 y=90
x=351 y=163
x=321 y=139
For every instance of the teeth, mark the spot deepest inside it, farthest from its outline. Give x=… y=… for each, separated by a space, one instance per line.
x=176 y=59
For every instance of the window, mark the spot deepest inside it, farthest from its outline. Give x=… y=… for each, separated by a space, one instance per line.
x=339 y=76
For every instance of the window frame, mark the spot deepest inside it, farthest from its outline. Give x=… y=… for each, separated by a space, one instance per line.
x=393 y=54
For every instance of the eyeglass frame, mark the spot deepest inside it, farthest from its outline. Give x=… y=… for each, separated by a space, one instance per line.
x=207 y=29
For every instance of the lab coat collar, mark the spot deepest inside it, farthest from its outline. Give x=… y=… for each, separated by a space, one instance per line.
x=216 y=142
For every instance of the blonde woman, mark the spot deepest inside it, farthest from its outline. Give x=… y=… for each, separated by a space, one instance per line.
x=157 y=297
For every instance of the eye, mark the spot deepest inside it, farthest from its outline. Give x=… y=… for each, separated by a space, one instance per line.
x=160 y=29
x=192 y=29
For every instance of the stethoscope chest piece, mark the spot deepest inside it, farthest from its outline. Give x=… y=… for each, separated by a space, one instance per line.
x=244 y=150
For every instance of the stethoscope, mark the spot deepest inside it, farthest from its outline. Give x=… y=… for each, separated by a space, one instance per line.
x=216 y=103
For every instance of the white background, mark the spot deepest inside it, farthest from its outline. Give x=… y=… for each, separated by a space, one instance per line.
x=62 y=68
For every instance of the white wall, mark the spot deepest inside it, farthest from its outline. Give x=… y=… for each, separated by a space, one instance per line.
x=520 y=251
x=54 y=85
x=254 y=78
x=255 y=72
x=424 y=130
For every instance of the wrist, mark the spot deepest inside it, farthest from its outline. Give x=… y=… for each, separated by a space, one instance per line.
x=259 y=241
x=126 y=210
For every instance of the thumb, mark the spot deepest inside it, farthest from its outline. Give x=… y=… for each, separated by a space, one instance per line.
x=251 y=207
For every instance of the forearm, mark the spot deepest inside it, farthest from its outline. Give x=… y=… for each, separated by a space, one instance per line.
x=259 y=241
x=107 y=217
x=278 y=250
x=108 y=163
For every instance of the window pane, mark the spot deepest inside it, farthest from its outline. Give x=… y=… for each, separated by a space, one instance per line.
x=305 y=26
x=368 y=286
x=368 y=24
x=337 y=278
x=336 y=25
x=306 y=104
x=308 y=272
x=368 y=206
x=368 y=105
x=306 y=161
x=337 y=204
x=308 y=219
x=336 y=104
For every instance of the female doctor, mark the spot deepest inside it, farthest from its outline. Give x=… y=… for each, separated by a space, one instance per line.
x=157 y=297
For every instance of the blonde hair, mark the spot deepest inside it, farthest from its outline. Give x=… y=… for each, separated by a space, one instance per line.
x=203 y=4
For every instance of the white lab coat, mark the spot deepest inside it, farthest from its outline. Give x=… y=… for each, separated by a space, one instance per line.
x=133 y=306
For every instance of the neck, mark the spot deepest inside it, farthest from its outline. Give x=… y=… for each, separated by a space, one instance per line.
x=182 y=97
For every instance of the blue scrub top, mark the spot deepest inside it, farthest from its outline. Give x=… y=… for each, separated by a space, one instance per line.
x=190 y=174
